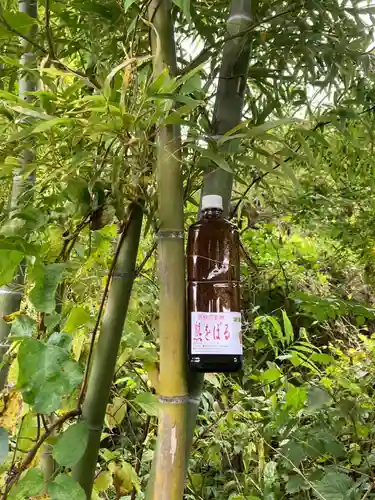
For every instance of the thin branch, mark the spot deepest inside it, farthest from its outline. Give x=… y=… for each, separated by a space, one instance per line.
x=146 y=258
x=48 y=30
x=33 y=451
x=25 y=37
x=101 y=309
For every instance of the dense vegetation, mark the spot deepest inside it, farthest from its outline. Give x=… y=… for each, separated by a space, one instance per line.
x=90 y=101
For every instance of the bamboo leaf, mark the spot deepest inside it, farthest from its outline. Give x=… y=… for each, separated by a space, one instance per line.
x=216 y=158
x=64 y=488
x=288 y=328
x=50 y=123
x=128 y=4
x=71 y=445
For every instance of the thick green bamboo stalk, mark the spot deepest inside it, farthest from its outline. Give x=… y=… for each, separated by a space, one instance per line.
x=103 y=368
x=227 y=114
x=11 y=295
x=168 y=470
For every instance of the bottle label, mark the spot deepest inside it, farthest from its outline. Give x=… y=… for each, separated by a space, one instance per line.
x=216 y=333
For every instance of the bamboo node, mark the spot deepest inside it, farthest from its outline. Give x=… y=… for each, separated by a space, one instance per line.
x=170 y=234
x=178 y=400
x=123 y=275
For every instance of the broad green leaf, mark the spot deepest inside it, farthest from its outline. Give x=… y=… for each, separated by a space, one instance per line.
x=216 y=158
x=334 y=486
x=103 y=481
x=65 y=488
x=23 y=326
x=71 y=445
x=77 y=318
x=46 y=374
x=270 y=473
x=148 y=402
x=43 y=294
x=124 y=476
x=288 y=328
x=271 y=375
x=295 y=397
x=4 y=444
x=31 y=484
x=9 y=262
x=295 y=483
x=321 y=358
x=318 y=398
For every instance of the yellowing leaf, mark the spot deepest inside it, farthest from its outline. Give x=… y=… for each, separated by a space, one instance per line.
x=103 y=481
x=124 y=478
x=116 y=412
x=12 y=413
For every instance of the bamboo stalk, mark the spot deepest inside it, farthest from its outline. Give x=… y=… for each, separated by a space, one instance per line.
x=227 y=114
x=103 y=368
x=11 y=295
x=168 y=471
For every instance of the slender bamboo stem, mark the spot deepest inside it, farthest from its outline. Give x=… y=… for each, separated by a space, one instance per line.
x=168 y=471
x=103 y=367
x=227 y=114
x=11 y=295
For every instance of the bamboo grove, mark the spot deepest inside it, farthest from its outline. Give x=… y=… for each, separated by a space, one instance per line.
x=115 y=118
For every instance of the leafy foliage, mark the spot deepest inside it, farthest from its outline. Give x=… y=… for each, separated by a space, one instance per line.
x=298 y=422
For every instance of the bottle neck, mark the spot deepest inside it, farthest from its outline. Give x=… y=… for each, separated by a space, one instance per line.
x=212 y=213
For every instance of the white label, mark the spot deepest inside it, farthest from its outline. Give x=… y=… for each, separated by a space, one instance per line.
x=216 y=333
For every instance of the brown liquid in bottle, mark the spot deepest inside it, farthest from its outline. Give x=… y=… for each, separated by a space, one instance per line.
x=213 y=261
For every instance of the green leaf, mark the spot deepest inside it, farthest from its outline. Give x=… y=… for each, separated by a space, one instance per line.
x=148 y=402
x=43 y=294
x=4 y=444
x=270 y=473
x=277 y=328
x=31 y=484
x=128 y=4
x=288 y=328
x=216 y=158
x=9 y=262
x=65 y=488
x=296 y=483
x=334 y=486
x=19 y=21
x=295 y=397
x=23 y=326
x=71 y=445
x=46 y=374
x=48 y=124
x=323 y=359
x=318 y=398
x=184 y=6
x=77 y=318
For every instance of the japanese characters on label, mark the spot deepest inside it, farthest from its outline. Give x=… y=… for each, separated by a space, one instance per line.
x=216 y=333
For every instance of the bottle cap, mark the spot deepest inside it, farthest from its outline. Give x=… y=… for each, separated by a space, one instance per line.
x=212 y=201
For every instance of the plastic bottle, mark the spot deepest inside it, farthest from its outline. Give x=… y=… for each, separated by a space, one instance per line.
x=214 y=317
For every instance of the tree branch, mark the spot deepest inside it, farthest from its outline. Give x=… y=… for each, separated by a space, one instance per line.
x=33 y=451
x=48 y=30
